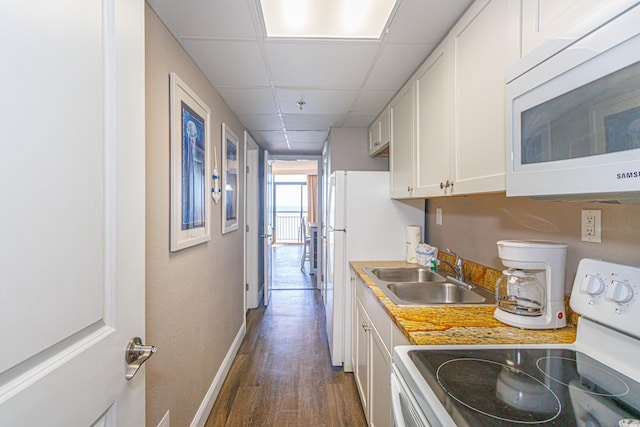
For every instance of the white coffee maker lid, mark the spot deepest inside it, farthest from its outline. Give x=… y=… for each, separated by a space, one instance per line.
x=531 y=243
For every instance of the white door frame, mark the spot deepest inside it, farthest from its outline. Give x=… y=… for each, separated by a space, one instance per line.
x=321 y=252
x=251 y=238
x=267 y=226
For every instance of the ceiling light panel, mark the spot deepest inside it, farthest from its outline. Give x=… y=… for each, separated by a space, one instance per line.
x=353 y=19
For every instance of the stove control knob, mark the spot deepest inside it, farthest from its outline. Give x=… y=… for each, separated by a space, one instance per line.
x=619 y=292
x=593 y=285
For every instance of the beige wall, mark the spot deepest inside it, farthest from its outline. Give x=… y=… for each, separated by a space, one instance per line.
x=194 y=297
x=472 y=225
x=348 y=148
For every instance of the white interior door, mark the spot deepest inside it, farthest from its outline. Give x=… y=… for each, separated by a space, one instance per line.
x=72 y=216
x=251 y=220
x=268 y=225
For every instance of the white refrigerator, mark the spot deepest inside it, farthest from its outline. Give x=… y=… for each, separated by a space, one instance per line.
x=363 y=224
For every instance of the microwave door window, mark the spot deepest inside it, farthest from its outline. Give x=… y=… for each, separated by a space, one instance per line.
x=597 y=118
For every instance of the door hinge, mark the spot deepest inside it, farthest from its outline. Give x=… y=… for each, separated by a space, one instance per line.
x=246 y=229
x=247 y=169
x=246 y=286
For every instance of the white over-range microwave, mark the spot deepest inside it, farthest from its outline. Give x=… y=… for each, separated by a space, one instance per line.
x=573 y=121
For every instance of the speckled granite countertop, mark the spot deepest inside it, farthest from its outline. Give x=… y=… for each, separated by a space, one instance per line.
x=437 y=325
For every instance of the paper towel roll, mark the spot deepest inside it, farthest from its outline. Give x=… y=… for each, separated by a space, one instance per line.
x=414 y=235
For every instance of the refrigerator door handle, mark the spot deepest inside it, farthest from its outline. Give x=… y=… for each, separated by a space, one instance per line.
x=331 y=229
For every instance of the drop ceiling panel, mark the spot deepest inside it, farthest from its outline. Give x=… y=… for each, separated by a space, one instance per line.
x=261 y=122
x=338 y=65
x=317 y=101
x=249 y=101
x=307 y=148
x=396 y=64
x=420 y=21
x=299 y=122
x=303 y=137
x=358 y=121
x=270 y=137
x=229 y=63
x=344 y=82
x=371 y=102
x=203 y=18
x=277 y=147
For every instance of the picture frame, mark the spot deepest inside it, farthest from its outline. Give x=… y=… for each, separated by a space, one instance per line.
x=190 y=215
x=230 y=180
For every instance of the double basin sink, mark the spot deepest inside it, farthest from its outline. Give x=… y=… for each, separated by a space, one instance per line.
x=421 y=286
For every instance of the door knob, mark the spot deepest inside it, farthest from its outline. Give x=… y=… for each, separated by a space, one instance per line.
x=135 y=355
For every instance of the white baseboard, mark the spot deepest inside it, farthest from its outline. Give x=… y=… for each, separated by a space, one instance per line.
x=209 y=399
x=165 y=421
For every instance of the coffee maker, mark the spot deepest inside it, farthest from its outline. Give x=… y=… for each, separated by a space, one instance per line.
x=530 y=293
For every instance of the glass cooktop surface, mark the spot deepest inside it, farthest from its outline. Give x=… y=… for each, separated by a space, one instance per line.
x=547 y=387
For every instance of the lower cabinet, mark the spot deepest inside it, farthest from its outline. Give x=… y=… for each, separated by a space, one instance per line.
x=374 y=336
x=380 y=383
x=360 y=354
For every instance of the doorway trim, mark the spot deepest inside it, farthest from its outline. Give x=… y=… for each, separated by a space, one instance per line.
x=320 y=159
x=251 y=220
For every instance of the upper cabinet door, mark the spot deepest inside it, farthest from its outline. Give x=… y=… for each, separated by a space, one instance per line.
x=480 y=52
x=434 y=124
x=548 y=26
x=402 y=142
x=380 y=134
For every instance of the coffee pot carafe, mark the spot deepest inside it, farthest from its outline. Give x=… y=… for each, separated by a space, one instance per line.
x=520 y=292
x=530 y=293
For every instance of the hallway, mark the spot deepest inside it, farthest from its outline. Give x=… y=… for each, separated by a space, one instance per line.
x=286 y=269
x=282 y=375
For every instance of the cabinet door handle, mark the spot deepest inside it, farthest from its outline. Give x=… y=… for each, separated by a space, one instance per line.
x=366 y=326
x=446 y=184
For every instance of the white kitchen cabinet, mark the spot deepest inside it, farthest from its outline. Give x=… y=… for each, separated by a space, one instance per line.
x=380 y=134
x=458 y=115
x=553 y=24
x=374 y=336
x=480 y=55
x=434 y=124
x=402 y=142
x=380 y=382
x=360 y=354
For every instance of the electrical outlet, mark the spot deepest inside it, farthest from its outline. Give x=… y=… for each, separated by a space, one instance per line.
x=591 y=226
x=438 y=216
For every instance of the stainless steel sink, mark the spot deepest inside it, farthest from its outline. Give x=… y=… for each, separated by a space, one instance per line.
x=422 y=287
x=433 y=293
x=407 y=275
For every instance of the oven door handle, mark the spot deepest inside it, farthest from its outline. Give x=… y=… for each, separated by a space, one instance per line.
x=396 y=406
x=409 y=414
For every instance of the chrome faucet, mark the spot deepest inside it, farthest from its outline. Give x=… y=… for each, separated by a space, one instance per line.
x=457 y=269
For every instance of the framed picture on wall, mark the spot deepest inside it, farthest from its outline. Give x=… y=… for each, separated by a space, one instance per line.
x=190 y=201
x=230 y=180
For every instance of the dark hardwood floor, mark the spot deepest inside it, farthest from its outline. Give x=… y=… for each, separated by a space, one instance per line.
x=282 y=375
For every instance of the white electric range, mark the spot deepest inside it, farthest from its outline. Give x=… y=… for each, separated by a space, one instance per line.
x=592 y=382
